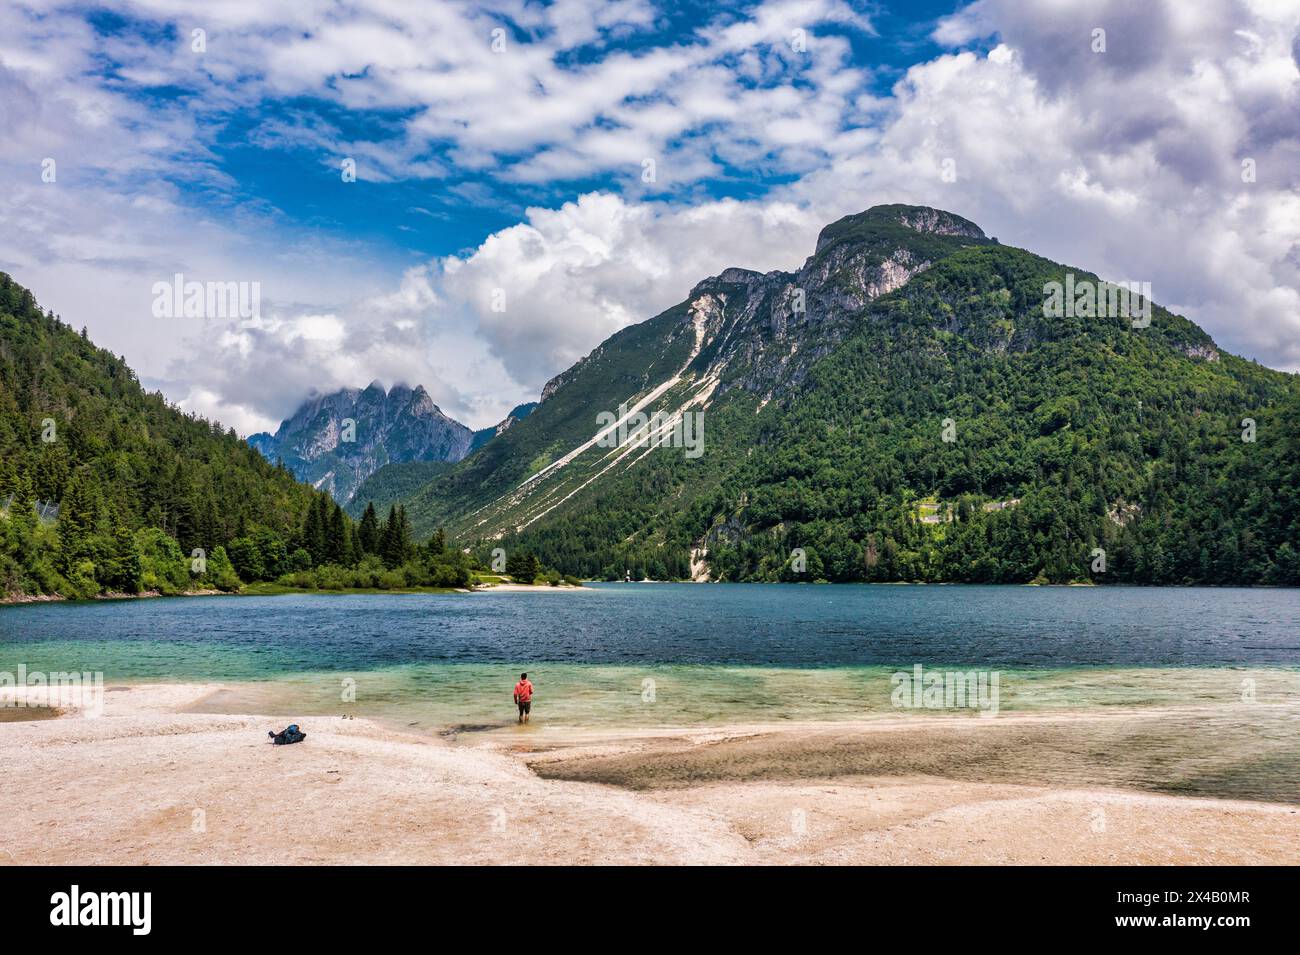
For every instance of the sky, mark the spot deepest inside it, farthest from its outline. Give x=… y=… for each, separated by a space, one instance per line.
x=472 y=196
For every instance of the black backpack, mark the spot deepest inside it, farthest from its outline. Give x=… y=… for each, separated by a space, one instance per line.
x=291 y=734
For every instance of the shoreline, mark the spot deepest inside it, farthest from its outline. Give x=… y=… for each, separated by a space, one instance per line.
x=274 y=590
x=528 y=588
x=14 y=600
x=253 y=590
x=152 y=781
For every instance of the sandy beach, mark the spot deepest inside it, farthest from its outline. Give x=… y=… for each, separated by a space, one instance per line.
x=149 y=783
x=512 y=588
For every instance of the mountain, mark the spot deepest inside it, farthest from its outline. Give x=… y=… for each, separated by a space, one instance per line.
x=402 y=426
x=335 y=442
x=396 y=481
x=902 y=407
x=518 y=413
x=106 y=487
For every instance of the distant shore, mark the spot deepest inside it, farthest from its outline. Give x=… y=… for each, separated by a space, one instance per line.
x=153 y=782
x=10 y=599
x=271 y=589
x=528 y=588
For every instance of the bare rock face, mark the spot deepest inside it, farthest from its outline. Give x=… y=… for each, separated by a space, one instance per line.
x=940 y=223
x=761 y=331
x=767 y=329
x=336 y=441
x=1202 y=352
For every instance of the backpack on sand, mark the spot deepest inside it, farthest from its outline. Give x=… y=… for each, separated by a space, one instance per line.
x=290 y=734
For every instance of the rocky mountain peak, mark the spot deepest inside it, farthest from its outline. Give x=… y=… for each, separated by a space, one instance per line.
x=923 y=219
x=336 y=440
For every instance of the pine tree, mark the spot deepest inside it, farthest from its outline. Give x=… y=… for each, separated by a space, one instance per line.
x=77 y=515
x=387 y=537
x=315 y=530
x=355 y=550
x=184 y=512
x=368 y=532
x=22 y=510
x=395 y=537
x=336 y=550
x=124 y=567
x=405 y=538
x=523 y=567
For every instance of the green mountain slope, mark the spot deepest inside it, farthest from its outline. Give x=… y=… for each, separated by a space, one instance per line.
x=136 y=484
x=392 y=483
x=826 y=394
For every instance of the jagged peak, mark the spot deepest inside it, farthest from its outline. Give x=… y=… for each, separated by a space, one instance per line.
x=737 y=276
x=731 y=276
x=923 y=219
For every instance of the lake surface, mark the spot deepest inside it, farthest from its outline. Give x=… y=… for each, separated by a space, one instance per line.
x=698 y=653
x=774 y=625
x=1206 y=681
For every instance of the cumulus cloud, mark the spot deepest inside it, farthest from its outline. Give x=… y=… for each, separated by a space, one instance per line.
x=547 y=291
x=1128 y=162
x=256 y=371
x=1130 y=169
x=1133 y=161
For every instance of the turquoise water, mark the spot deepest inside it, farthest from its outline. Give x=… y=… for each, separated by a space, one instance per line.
x=681 y=654
x=477 y=696
x=1191 y=690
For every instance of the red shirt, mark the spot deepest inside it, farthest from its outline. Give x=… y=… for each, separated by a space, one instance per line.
x=523 y=691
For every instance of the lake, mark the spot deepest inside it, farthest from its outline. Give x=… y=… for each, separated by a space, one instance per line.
x=709 y=652
x=775 y=625
x=1213 y=674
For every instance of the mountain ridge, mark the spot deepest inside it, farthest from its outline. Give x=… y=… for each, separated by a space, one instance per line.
x=951 y=316
x=338 y=440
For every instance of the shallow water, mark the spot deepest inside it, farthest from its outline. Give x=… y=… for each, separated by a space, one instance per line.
x=477 y=696
x=679 y=654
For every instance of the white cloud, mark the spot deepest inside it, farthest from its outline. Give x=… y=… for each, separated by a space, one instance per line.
x=1126 y=162
x=571 y=277
x=1117 y=172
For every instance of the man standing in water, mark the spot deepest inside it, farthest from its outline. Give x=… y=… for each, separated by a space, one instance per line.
x=524 y=697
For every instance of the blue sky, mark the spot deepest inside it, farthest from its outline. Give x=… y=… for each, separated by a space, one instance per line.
x=484 y=167
x=420 y=216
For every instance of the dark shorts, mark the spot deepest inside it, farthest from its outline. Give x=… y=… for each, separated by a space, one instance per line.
x=525 y=707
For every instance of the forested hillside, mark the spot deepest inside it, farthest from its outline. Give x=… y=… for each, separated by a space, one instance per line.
x=392 y=483
x=107 y=488
x=921 y=419
x=1069 y=437
x=902 y=408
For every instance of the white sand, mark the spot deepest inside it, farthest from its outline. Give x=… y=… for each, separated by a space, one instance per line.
x=148 y=783
x=531 y=588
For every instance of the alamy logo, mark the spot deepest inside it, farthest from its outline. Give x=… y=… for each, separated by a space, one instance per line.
x=946 y=690
x=181 y=299
x=31 y=688
x=656 y=430
x=103 y=908
x=1088 y=299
